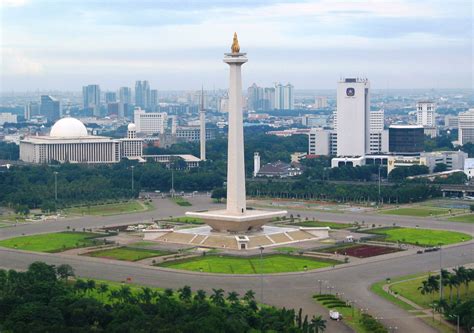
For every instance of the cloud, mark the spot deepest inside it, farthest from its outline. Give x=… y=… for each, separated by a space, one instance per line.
x=15 y=62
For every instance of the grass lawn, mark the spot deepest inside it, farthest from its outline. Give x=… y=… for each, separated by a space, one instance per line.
x=332 y=225
x=349 y=316
x=54 y=242
x=409 y=289
x=110 y=209
x=417 y=211
x=422 y=237
x=186 y=219
x=253 y=265
x=127 y=253
x=469 y=218
x=181 y=201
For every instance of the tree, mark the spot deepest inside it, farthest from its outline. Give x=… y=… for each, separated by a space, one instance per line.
x=102 y=289
x=440 y=167
x=249 y=296
x=200 y=296
x=233 y=297
x=64 y=271
x=318 y=324
x=219 y=194
x=185 y=294
x=217 y=297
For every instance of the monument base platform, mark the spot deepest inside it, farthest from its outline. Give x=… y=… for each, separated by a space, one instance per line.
x=249 y=222
x=268 y=236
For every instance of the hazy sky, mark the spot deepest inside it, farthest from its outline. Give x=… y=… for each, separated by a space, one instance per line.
x=64 y=44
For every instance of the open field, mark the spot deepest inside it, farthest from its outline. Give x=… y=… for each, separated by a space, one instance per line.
x=181 y=201
x=253 y=265
x=55 y=242
x=416 y=211
x=332 y=225
x=469 y=218
x=127 y=253
x=110 y=209
x=422 y=237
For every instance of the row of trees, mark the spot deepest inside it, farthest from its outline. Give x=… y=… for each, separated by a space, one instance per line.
x=43 y=299
x=399 y=193
x=452 y=306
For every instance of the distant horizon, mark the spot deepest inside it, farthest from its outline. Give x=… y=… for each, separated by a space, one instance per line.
x=48 y=44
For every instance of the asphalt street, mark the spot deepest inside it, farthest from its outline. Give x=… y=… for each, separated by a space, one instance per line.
x=292 y=290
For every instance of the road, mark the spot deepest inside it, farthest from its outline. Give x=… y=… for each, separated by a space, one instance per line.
x=292 y=290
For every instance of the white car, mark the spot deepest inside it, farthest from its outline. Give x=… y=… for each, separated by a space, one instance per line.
x=334 y=315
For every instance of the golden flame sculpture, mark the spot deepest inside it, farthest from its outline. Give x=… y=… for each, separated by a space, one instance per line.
x=235 y=44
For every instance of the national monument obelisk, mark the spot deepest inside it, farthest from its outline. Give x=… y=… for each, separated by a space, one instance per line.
x=236 y=218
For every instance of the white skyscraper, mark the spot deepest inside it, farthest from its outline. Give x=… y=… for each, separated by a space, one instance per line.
x=284 y=97
x=425 y=114
x=202 y=127
x=466 y=127
x=353 y=117
x=150 y=122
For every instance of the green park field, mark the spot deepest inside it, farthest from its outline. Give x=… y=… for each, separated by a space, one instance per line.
x=422 y=237
x=55 y=242
x=110 y=209
x=127 y=253
x=332 y=225
x=253 y=265
x=417 y=211
x=409 y=289
x=469 y=218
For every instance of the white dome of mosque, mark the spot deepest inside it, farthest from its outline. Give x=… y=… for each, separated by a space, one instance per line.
x=68 y=128
x=132 y=127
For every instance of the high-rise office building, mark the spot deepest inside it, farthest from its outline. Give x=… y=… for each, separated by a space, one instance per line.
x=110 y=97
x=466 y=127
x=153 y=99
x=406 y=139
x=150 y=122
x=32 y=109
x=425 y=114
x=284 y=97
x=91 y=98
x=255 y=98
x=142 y=94
x=377 y=121
x=269 y=99
x=125 y=95
x=353 y=117
x=50 y=108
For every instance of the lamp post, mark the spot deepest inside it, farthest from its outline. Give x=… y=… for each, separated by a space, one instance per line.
x=261 y=248
x=55 y=186
x=320 y=283
x=440 y=274
x=133 y=184
x=380 y=167
x=457 y=321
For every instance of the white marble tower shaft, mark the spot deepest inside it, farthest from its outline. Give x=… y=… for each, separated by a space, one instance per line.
x=236 y=204
x=202 y=123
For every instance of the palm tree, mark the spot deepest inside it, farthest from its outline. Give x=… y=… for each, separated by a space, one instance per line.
x=249 y=296
x=233 y=297
x=185 y=294
x=452 y=281
x=318 y=324
x=102 y=289
x=168 y=292
x=146 y=295
x=125 y=293
x=80 y=286
x=463 y=275
x=218 y=297
x=90 y=285
x=200 y=296
x=114 y=295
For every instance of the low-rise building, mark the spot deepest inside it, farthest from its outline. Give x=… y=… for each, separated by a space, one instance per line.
x=280 y=169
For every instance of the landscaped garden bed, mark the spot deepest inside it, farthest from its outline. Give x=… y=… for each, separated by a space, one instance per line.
x=420 y=237
x=360 y=250
x=127 y=253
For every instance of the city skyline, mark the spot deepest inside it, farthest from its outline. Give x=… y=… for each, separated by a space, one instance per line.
x=48 y=45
